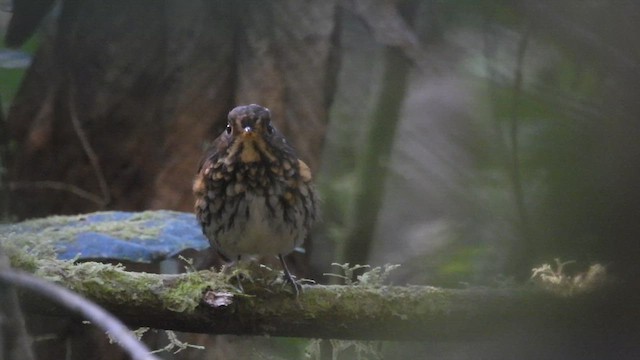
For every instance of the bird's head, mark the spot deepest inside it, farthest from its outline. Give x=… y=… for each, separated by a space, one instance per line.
x=249 y=122
x=251 y=135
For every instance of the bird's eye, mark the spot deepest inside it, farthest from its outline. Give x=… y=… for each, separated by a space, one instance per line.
x=270 y=129
x=228 y=129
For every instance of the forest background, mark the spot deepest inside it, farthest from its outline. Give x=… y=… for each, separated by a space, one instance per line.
x=467 y=141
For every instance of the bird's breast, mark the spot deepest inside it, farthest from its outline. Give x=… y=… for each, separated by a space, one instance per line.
x=258 y=226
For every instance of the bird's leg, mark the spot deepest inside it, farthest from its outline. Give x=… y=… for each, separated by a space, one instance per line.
x=287 y=275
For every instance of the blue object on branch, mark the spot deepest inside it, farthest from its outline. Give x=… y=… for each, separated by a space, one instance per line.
x=132 y=236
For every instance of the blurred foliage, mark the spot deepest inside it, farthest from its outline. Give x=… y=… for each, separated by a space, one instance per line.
x=564 y=128
x=459 y=264
x=11 y=76
x=9 y=82
x=550 y=123
x=13 y=66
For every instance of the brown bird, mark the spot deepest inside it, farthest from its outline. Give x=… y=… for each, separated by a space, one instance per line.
x=253 y=195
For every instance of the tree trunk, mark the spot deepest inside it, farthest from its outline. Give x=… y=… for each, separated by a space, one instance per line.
x=122 y=97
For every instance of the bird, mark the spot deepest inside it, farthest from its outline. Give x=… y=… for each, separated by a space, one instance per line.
x=253 y=195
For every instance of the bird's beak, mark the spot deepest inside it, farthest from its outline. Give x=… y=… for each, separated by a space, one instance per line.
x=248 y=132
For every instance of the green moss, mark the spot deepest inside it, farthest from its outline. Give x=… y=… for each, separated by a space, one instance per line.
x=186 y=294
x=105 y=281
x=20 y=259
x=94 y=278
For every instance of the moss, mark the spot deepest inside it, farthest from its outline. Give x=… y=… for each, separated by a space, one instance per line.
x=153 y=215
x=103 y=280
x=185 y=292
x=380 y=312
x=20 y=259
x=386 y=302
x=181 y=293
x=30 y=246
x=100 y=281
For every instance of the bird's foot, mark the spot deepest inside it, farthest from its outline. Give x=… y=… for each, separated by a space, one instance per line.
x=297 y=288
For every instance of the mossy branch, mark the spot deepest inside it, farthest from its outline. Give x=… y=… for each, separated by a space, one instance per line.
x=204 y=302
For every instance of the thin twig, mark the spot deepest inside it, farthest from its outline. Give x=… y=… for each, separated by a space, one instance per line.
x=88 y=149
x=60 y=186
x=94 y=313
